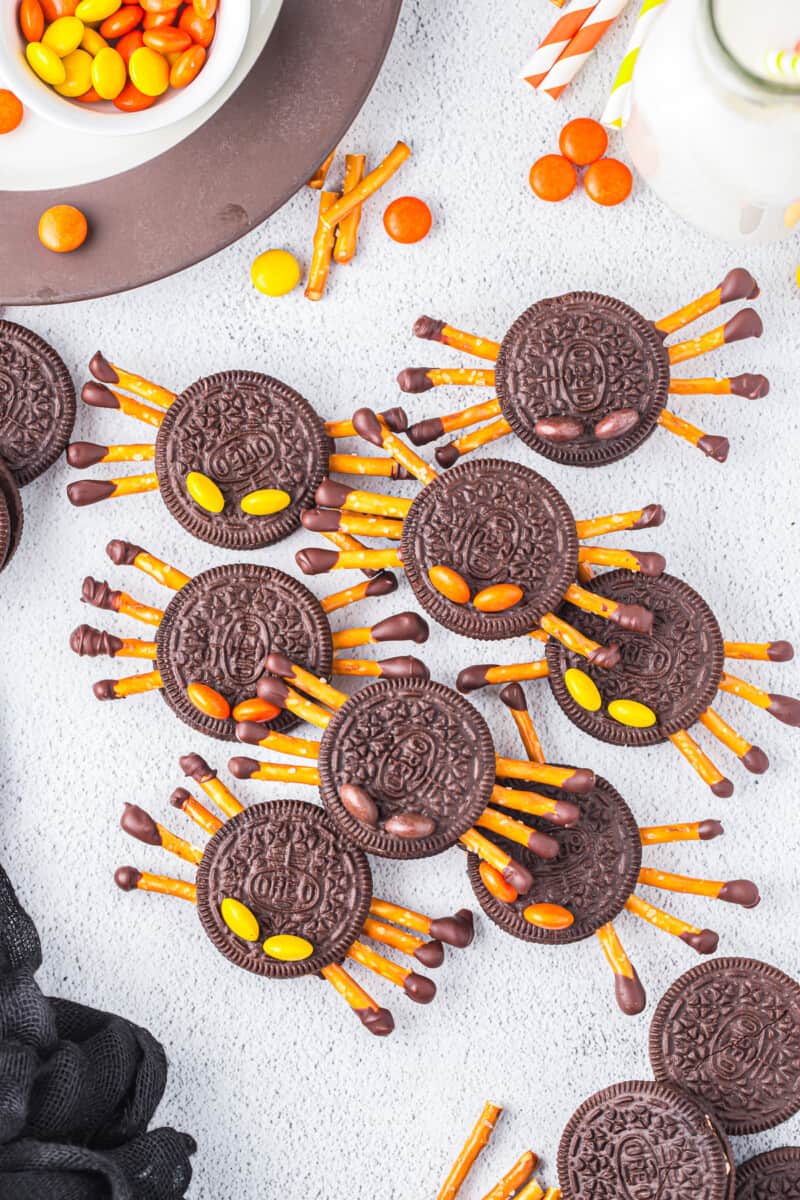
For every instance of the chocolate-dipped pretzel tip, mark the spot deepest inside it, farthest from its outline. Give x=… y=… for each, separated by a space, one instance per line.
x=94 y=643
x=196 y=767
x=402 y=627
x=83 y=492
x=101 y=368
x=368 y=426
x=402 y=666
x=740 y=891
x=127 y=878
x=313 y=561
x=457 y=931
x=242 y=767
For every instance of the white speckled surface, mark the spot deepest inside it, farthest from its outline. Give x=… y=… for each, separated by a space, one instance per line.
x=285 y=1092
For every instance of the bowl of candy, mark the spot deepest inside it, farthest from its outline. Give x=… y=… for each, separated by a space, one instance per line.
x=115 y=67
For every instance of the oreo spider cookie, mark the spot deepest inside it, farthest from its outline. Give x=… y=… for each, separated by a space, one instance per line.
x=296 y=876
x=582 y=378
x=246 y=432
x=418 y=756
x=218 y=630
x=37 y=403
x=771 y=1176
x=644 y=1141
x=728 y=1032
x=674 y=672
x=11 y=516
x=493 y=522
x=594 y=873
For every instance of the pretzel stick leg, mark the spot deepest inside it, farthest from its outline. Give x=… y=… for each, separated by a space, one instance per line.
x=416 y=987
x=745 y=324
x=704 y=831
x=783 y=708
x=82 y=455
x=704 y=941
x=738 y=284
x=91 y=491
x=515 y=831
x=131 y=685
x=313 y=561
x=640 y=518
x=97 y=593
x=279 y=664
x=512 y=872
x=126 y=554
x=403 y=666
x=196 y=768
x=333 y=520
x=379 y=1021
x=630 y=994
x=493 y=432
x=422 y=379
x=569 y=636
x=711 y=444
x=752 y=387
x=700 y=762
x=751 y=757
x=628 y=616
x=332 y=494
x=558 y=812
x=283 y=743
x=578 y=780
x=139 y=824
x=428 y=431
x=513 y=697
x=195 y=811
x=430 y=954
x=92 y=643
x=251 y=768
x=277 y=691
x=97 y=395
x=472 y=678
x=381 y=584
x=457 y=930
x=433 y=330
x=467 y=1156
x=130 y=879
x=365 y=464
x=760 y=651
x=735 y=891
x=107 y=372
x=630 y=560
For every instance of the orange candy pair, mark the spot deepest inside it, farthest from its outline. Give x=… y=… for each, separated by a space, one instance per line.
x=582 y=142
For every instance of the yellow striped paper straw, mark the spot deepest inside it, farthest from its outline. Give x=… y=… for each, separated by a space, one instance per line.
x=782 y=65
x=618 y=106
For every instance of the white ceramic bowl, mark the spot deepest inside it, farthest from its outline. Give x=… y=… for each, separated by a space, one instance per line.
x=233 y=20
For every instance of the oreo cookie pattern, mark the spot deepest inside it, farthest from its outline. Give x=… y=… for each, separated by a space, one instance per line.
x=771 y=1176
x=37 y=403
x=643 y=1141
x=728 y=1032
x=11 y=516
x=595 y=872
x=411 y=745
x=296 y=874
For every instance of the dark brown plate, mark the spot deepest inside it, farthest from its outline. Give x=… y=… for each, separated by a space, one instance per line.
x=221 y=626
x=221 y=181
x=675 y=672
x=492 y=522
x=298 y=875
x=413 y=745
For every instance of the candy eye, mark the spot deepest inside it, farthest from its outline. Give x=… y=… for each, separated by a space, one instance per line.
x=583 y=689
x=205 y=492
x=631 y=712
x=287 y=947
x=265 y=501
x=239 y=919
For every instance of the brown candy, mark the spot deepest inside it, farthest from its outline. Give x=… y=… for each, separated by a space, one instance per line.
x=410 y=825
x=616 y=424
x=359 y=804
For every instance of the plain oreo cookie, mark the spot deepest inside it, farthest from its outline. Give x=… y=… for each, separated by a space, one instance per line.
x=296 y=873
x=220 y=627
x=595 y=872
x=37 y=403
x=728 y=1032
x=675 y=671
x=492 y=522
x=11 y=516
x=582 y=378
x=412 y=746
x=771 y=1176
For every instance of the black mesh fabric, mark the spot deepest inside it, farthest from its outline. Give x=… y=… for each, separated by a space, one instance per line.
x=78 y=1089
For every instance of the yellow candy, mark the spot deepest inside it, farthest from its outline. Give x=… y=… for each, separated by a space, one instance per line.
x=149 y=71
x=288 y=948
x=92 y=41
x=96 y=10
x=275 y=272
x=583 y=689
x=63 y=35
x=78 y=66
x=205 y=492
x=239 y=919
x=265 y=501
x=46 y=63
x=631 y=712
x=109 y=73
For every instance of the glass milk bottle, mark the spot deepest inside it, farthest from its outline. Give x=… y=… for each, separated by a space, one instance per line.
x=714 y=126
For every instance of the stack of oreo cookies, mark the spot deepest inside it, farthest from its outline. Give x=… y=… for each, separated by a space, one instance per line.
x=37 y=412
x=725 y=1048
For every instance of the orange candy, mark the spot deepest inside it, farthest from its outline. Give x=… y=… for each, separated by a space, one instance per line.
x=158 y=6
x=132 y=41
x=187 y=66
x=450 y=584
x=583 y=141
x=168 y=40
x=160 y=20
x=131 y=99
x=498 y=597
x=122 y=21
x=53 y=9
x=407 y=219
x=208 y=701
x=31 y=20
x=11 y=111
x=495 y=884
x=608 y=182
x=553 y=178
x=199 y=29
x=548 y=916
x=205 y=8
x=62 y=228
x=255 y=710
x=90 y=97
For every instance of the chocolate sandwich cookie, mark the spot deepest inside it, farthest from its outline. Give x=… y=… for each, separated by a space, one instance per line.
x=674 y=671
x=644 y=1141
x=419 y=759
x=37 y=403
x=771 y=1176
x=11 y=516
x=584 y=379
x=728 y=1032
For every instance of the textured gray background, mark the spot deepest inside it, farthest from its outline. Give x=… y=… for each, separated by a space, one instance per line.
x=286 y=1094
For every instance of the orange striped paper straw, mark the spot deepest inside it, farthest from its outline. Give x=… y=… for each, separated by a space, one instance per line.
x=556 y=41
x=574 y=55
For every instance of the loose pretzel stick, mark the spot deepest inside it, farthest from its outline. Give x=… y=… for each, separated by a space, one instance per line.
x=282 y=743
x=627 y=616
x=322 y=249
x=533 y=1190
x=198 y=769
x=467 y=1156
x=692 y=831
x=752 y=757
x=745 y=324
x=513 y=872
x=380 y=585
x=519 y=1174
x=711 y=444
x=91 y=491
x=277 y=692
x=139 y=824
x=785 y=708
x=738 y=284
x=378 y=1021
x=428 y=431
x=97 y=395
x=574 y=640
x=704 y=941
x=447 y=455
x=514 y=699
x=195 y=811
x=332 y=520
x=735 y=891
x=367 y=187
x=364 y=464
x=250 y=768
x=515 y=831
x=630 y=994
x=97 y=593
x=571 y=779
x=131 y=685
x=125 y=554
x=558 y=812
x=88 y=454
x=347 y=237
x=331 y=494
x=317 y=180
x=374 y=429
x=434 y=330
x=760 y=651
x=639 y=518
x=701 y=763
x=422 y=379
x=90 y=642
x=129 y=878
x=752 y=387
x=108 y=372
x=630 y=560
x=279 y=664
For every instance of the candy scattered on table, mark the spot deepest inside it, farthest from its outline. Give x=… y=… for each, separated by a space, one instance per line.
x=608 y=182
x=275 y=272
x=11 y=111
x=518 y=1181
x=583 y=142
x=553 y=178
x=137 y=54
x=407 y=219
x=63 y=228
